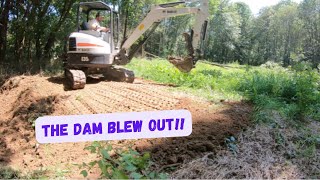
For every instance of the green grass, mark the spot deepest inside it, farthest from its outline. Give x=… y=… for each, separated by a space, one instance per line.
x=294 y=93
x=205 y=80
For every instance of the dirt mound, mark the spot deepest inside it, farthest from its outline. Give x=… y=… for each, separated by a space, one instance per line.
x=18 y=130
x=39 y=96
x=9 y=84
x=30 y=105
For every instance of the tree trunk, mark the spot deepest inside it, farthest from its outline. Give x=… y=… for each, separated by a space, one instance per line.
x=4 y=18
x=39 y=33
x=52 y=36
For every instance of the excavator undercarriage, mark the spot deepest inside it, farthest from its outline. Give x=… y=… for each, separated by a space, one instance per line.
x=77 y=78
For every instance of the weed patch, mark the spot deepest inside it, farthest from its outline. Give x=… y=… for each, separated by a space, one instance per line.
x=120 y=164
x=9 y=173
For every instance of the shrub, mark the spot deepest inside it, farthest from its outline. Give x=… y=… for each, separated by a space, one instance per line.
x=123 y=164
x=296 y=90
x=9 y=173
x=271 y=65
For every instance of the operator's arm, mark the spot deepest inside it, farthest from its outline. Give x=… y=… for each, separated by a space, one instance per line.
x=103 y=29
x=95 y=26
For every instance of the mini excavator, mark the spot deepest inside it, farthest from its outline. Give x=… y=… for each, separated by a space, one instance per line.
x=92 y=52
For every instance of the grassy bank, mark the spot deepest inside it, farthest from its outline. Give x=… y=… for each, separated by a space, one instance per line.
x=293 y=93
x=286 y=112
x=208 y=81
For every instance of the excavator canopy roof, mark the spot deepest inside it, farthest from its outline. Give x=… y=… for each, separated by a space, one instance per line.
x=98 y=5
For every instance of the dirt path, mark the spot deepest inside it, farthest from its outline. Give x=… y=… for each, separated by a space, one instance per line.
x=38 y=96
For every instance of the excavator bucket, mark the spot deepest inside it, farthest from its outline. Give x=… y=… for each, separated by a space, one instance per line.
x=185 y=64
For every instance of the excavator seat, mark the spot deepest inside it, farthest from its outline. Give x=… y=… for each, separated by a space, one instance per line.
x=84 y=26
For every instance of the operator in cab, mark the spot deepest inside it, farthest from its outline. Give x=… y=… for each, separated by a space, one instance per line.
x=94 y=24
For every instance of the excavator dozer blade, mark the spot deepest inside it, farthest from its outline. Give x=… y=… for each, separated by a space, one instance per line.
x=119 y=74
x=184 y=65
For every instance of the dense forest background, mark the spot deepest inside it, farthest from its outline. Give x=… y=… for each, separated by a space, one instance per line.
x=33 y=33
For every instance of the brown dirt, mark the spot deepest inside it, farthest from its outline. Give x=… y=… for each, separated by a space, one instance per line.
x=210 y=128
x=35 y=96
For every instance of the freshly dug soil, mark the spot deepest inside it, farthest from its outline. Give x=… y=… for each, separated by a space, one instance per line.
x=36 y=96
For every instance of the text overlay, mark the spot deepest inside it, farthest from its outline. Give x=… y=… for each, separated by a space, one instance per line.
x=116 y=126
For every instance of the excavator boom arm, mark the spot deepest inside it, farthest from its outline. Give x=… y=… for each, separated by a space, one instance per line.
x=160 y=12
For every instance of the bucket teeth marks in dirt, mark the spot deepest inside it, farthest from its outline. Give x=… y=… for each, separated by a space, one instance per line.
x=101 y=103
x=151 y=101
x=76 y=107
x=87 y=102
x=126 y=103
x=144 y=101
x=115 y=103
x=123 y=103
x=154 y=90
x=155 y=101
x=129 y=99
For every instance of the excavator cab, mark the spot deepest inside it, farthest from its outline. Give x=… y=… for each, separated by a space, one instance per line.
x=88 y=10
x=92 y=52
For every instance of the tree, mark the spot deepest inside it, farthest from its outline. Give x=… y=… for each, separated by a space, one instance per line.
x=309 y=13
x=244 y=44
x=5 y=7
